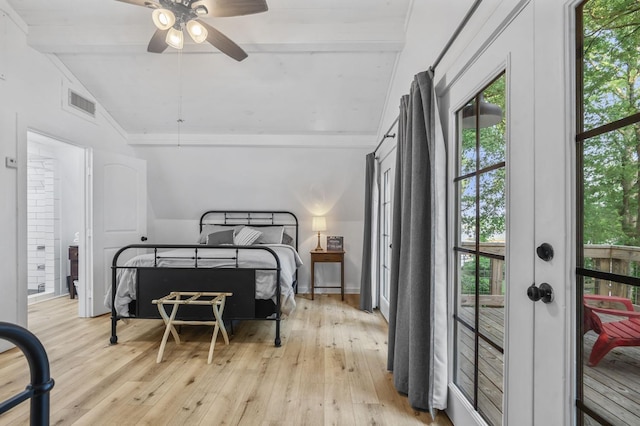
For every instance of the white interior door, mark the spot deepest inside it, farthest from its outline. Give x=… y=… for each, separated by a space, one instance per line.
x=117 y=208
x=387 y=172
x=508 y=354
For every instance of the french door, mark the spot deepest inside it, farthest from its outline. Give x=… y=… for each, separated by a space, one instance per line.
x=510 y=231
x=387 y=172
x=607 y=141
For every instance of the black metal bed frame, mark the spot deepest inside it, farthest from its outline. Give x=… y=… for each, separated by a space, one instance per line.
x=207 y=278
x=41 y=381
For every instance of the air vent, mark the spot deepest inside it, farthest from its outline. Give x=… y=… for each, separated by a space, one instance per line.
x=82 y=103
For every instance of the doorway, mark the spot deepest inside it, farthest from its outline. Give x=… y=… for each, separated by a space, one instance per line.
x=55 y=215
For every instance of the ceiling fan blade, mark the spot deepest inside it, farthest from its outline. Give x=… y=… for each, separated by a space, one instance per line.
x=144 y=3
x=224 y=8
x=158 y=43
x=223 y=43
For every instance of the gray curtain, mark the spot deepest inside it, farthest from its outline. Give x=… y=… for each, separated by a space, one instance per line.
x=366 y=282
x=411 y=310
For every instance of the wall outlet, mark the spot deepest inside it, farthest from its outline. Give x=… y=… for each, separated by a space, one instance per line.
x=11 y=162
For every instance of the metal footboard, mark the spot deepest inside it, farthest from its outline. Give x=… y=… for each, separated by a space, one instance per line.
x=198 y=249
x=41 y=381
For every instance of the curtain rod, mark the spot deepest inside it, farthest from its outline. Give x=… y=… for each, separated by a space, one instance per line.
x=387 y=135
x=456 y=33
x=444 y=51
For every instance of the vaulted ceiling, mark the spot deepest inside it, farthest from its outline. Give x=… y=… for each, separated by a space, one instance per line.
x=315 y=66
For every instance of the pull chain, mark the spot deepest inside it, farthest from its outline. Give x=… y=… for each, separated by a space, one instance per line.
x=180 y=120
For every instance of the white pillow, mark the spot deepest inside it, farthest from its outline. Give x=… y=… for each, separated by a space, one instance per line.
x=246 y=236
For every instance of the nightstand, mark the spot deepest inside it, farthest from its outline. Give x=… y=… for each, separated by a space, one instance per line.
x=327 y=257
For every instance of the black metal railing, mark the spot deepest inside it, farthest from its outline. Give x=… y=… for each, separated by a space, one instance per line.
x=41 y=381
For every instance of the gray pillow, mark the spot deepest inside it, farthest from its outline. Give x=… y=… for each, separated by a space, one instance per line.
x=220 y=237
x=208 y=229
x=270 y=234
x=287 y=239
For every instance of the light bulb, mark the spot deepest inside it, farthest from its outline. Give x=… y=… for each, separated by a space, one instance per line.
x=201 y=10
x=197 y=32
x=163 y=18
x=175 y=38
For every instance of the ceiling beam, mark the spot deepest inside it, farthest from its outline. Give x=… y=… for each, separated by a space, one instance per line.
x=321 y=140
x=135 y=38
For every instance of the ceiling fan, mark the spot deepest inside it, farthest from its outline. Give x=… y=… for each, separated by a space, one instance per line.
x=171 y=16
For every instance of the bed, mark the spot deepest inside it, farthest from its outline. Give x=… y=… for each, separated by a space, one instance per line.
x=252 y=254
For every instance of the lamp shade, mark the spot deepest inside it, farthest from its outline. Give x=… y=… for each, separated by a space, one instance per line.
x=197 y=32
x=319 y=223
x=175 y=38
x=490 y=114
x=163 y=18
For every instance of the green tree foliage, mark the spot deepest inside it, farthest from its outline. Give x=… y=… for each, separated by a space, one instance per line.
x=492 y=147
x=468 y=278
x=611 y=78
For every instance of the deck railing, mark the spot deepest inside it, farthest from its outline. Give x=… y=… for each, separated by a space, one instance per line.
x=622 y=260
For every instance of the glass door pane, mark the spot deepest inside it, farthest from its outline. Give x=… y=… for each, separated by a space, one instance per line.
x=608 y=230
x=387 y=164
x=386 y=233
x=480 y=184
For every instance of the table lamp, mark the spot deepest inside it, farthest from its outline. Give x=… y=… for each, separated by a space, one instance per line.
x=319 y=224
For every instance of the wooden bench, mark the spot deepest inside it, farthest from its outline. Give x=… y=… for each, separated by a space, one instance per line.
x=174 y=298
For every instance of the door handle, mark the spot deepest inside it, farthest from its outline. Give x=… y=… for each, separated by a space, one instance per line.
x=544 y=293
x=143 y=238
x=545 y=252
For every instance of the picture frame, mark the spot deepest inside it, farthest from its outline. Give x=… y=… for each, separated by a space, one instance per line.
x=335 y=243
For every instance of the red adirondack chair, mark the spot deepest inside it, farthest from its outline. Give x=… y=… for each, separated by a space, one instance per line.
x=625 y=332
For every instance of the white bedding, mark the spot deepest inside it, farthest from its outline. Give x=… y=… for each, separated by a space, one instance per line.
x=250 y=258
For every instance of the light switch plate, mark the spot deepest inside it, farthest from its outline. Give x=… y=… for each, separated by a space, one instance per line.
x=11 y=162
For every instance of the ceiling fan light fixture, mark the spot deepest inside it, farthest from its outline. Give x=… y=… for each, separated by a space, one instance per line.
x=175 y=38
x=163 y=18
x=197 y=31
x=201 y=10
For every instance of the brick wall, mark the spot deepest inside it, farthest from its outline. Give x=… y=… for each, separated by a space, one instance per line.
x=43 y=223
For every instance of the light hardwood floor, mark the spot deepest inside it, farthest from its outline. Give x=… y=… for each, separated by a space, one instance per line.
x=330 y=370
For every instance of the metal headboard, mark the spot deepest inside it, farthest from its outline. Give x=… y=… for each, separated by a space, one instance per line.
x=254 y=218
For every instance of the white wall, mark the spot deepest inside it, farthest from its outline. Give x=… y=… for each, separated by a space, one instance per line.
x=31 y=97
x=188 y=180
x=425 y=39
x=429 y=27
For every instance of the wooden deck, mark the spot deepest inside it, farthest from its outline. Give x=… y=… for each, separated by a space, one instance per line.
x=612 y=388
x=491 y=362
x=331 y=369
